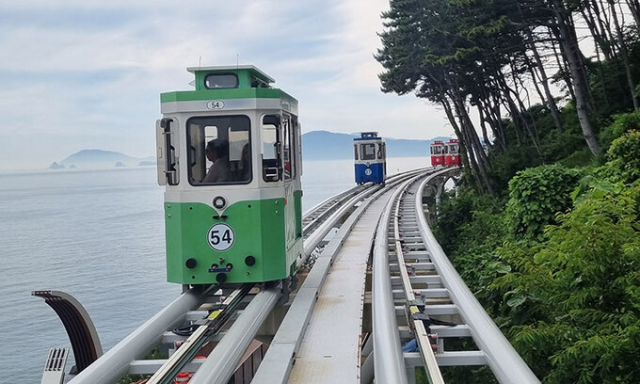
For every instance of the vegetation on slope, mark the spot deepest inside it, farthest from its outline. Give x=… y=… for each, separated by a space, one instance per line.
x=545 y=228
x=559 y=268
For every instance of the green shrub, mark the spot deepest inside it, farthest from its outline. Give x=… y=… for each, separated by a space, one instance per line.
x=588 y=276
x=536 y=195
x=624 y=157
x=621 y=124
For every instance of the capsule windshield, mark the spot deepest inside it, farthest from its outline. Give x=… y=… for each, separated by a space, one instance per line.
x=368 y=151
x=437 y=150
x=219 y=150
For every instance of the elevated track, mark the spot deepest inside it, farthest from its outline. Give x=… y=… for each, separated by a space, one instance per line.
x=372 y=279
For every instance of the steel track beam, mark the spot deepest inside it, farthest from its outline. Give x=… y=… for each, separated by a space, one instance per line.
x=506 y=364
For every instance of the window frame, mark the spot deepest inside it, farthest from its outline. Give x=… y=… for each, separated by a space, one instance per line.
x=235 y=76
x=363 y=151
x=192 y=157
x=277 y=149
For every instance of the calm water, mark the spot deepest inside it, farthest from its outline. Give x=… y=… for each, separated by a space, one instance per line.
x=99 y=236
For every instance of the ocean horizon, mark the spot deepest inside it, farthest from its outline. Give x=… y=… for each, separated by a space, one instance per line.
x=99 y=236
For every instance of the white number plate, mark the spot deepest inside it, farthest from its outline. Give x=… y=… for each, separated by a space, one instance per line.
x=220 y=237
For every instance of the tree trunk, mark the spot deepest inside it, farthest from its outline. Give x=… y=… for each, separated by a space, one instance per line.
x=544 y=80
x=597 y=28
x=581 y=87
x=634 y=7
x=486 y=114
x=625 y=56
x=467 y=161
x=563 y=68
x=477 y=154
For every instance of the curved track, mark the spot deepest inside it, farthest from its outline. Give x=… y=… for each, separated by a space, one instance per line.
x=196 y=303
x=417 y=281
x=412 y=280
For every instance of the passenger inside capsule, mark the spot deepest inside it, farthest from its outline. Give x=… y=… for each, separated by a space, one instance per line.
x=217 y=152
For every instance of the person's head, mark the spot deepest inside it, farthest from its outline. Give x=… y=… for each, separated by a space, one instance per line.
x=216 y=149
x=245 y=154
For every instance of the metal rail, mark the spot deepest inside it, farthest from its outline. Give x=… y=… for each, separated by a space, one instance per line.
x=120 y=360
x=417 y=326
x=506 y=364
x=330 y=222
x=278 y=361
x=321 y=211
x=223 y=360
x=115 y=363
x=387 y=354
x=209 y=326
x=346 y=201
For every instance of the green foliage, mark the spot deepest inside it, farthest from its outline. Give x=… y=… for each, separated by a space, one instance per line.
x=536 y=195
x=621 y=124
x=453 y=215
x=569 y=299
x=506 y=164
x=587 y=278
x=624 y=156
x=580 y=158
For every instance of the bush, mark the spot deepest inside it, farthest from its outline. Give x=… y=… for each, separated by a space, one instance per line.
x=536 y=195
x=624 y=157
x=621 y=124
x=588 y=278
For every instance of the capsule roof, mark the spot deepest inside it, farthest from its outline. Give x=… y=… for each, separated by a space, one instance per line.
x=368 y=136
x=226 y=83
x=248 y=76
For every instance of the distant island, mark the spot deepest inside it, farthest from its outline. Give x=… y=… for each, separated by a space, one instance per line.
x=98 y=158
x=316 y=145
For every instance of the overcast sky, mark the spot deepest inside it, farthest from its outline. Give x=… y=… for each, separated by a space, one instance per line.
x=87 y=74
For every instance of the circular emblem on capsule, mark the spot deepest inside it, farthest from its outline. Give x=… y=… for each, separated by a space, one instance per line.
x=215 y=104
x=367 y=171
x=220 y=237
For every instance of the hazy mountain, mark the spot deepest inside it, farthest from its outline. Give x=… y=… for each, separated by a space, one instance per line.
x=329 y=145
x=97 y=158
x=316 y=145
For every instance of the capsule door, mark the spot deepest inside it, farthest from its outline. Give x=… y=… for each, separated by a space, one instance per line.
x=289 y=173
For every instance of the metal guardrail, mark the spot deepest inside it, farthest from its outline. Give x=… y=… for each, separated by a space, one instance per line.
x=505 y=362
x=387 y=355
x=223 y=360
x=278 y=361
x=416 y=325
x=115 y=363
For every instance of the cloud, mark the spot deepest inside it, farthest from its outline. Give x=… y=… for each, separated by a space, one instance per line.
x=88 y=73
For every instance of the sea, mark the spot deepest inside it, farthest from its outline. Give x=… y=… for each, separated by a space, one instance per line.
x=99 y=236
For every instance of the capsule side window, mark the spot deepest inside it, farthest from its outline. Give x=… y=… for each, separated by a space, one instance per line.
x=271 y=164
x=288 y=148
x=355 y=151
x=219 y=150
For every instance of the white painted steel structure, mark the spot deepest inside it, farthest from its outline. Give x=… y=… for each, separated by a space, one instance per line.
x=506 y=364
x=387 y=353
x=276 y=367
x=302 y=336
x=223 y=360
x=115 y=363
